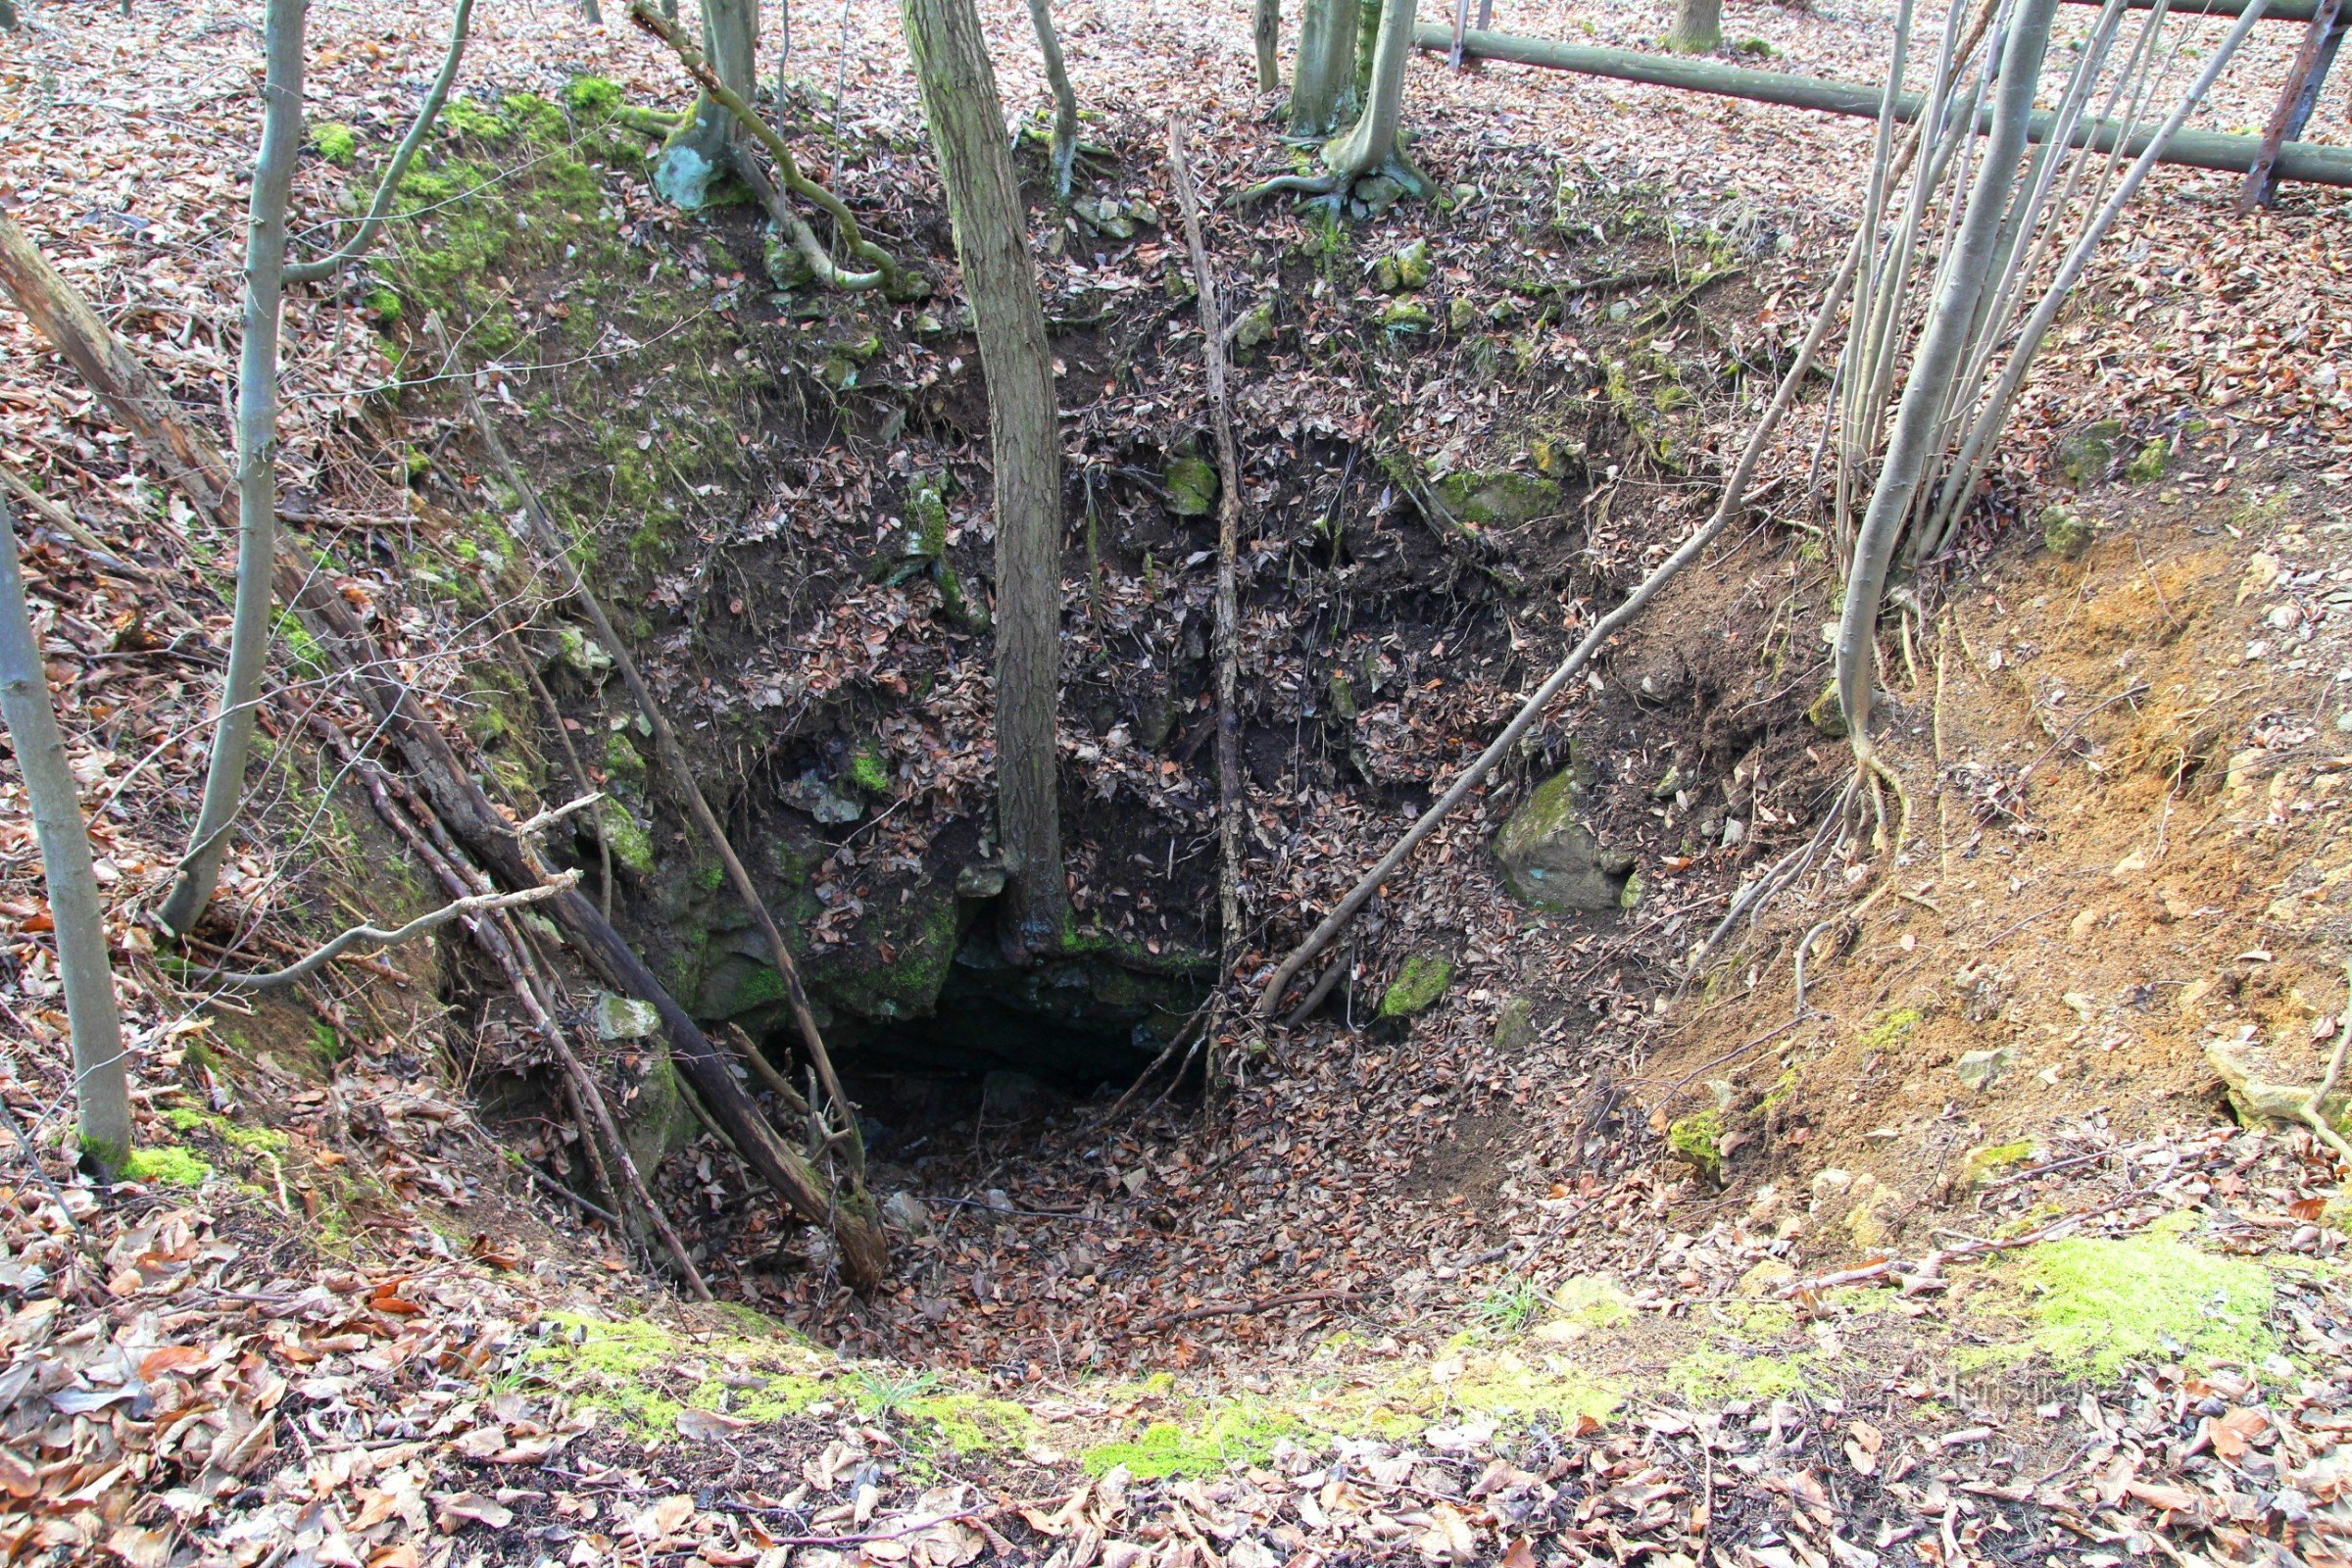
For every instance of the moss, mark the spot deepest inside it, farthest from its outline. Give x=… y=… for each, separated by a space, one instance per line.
x=1234 y=1434
x=1593 y=1301
x=2093 y=1306
x=2086 y=454
x=1980 y=1163
x=166 y=1166
x=869 y=772
x=967 y=1424
x=186 y=1120
x=1826 y=714
x=1417 y=986
x=1192 y=484
x=2064 y=533
x=1712 y=1374
x=1891 y=1030
x=1503 y=499
x=922 y=946
x=590 y=96
x=1405 y=271
x=1697 y=1141
x=462 y=117
x=623 y=760
x=631 y=845
x=335 y=142
x=1403 y=318
x=2150 y=464
x=627 y=1368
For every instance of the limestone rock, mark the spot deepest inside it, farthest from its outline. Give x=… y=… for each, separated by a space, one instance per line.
x=1417 y=986
x=1514 y=1024
x=619 y=1017
x=2064 y=533
x=1191 y=483
x=1405 y=271
x=1552 y=860
x=1979 y=1068
x=2266 y=1085
x=2086 y=454
x=1502 y=499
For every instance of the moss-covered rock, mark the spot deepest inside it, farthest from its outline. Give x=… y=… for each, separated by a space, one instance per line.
x=1402 y=317
x=1500 y=499
x=1404 y=271
x=2085 y=455
x=1551 y=859
x=2064 y=533
x=655 y=1119
x=1697 y=1142
x=2151 y=465
x=1191 y=483
x=1826 y=714
x=1417 y=986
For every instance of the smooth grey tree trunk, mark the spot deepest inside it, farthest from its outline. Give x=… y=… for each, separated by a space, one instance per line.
x=101 y=1084
x=256 y=470
x=999 y=278
x=1266 y=29
x=1320 y=77
x=1065 y=98
x=1933 y=363
x=1698 y=26
x=702 y=149
x=1374 y=135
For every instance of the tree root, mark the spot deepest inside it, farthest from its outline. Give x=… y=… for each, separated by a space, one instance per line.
x=884 y=273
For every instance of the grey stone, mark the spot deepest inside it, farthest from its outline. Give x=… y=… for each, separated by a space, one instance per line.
x=1979 y=1068
x=1014 y=1096
x=619 y=1017
x=1514 y=1024
x=1552 y=860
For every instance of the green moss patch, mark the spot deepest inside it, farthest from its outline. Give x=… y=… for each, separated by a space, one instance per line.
x=1417 y=985
x=166 y=1166
x=643 y=1375
x=2093 y=1306
x=1238 y=1432
x=335 y=142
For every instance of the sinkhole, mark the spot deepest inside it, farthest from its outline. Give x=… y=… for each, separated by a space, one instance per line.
x=1002 y=1043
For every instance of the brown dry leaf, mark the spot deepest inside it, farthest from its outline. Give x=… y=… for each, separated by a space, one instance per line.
x=453 y=1512
x=1522 y=1554
x=709 y=1425
x=1862 y=1443
x=662 y=1519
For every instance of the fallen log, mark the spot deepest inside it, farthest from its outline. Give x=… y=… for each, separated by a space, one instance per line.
x=2307 y=162
x=140 y=405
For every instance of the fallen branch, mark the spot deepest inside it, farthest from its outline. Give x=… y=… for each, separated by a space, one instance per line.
x=73 y=527
x=325 y=266
x=1735 y=492
x=318 y=959
x=1266 y=1304
x=1228 y=516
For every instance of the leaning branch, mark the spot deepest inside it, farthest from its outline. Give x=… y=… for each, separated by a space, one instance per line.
x=1228 y=516
x=376 y=937
x=325 y=266
x=1734 y=494
x=804 y=239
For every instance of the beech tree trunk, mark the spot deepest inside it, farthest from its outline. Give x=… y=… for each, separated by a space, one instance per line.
x=999 y=278
x=1065 y=98
x=1373 y=139
x=1698 y=26
x=702 y=149
x=1325 y=67
x=101 y=1084
x=256 y=469
x=1265 y=27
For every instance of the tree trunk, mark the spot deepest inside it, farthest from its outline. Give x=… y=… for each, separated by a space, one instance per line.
x=1372 y=141
x=1265 y=27
x=8 y=16
x=1066 y=99
x=1367 y=44
x=101 y=1084
x=1698 y=26
x=1933 y=363
x=1326 y=57
x=702 y=149
x=992 y=244
x=256 y=470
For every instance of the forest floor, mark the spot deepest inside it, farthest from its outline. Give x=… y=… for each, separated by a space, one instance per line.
x=1953 y=1252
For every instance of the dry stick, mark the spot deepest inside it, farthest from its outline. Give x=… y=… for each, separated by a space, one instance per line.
x=2312 y=1113
x=540 y=1009
x=1229 y=520
x=1319 y=990
x=503 y=950
x=141 y=406
x=804 y=238
x=1241 y=1309
x=1735 y=491
x=672 y=755
x=579 y=776
x=73 y=527
x=319 y=957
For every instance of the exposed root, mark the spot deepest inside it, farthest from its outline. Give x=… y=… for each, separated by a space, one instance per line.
x=884 y=272
x=1303 y=184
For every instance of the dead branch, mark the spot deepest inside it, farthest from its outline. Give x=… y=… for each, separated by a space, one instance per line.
x=1266 y=1303
x=1228 y=516
x=319 y=958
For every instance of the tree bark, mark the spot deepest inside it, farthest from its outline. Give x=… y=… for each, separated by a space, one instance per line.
x=1322 y=71
x=1266 y=28
x=256 y=469
x=1933 y=363
x=1367 y=44
x=702 y=149
x=992 y=244
x=1373 y=139
x=1065 y=98
x=101 y=1083
x=1698 y=26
